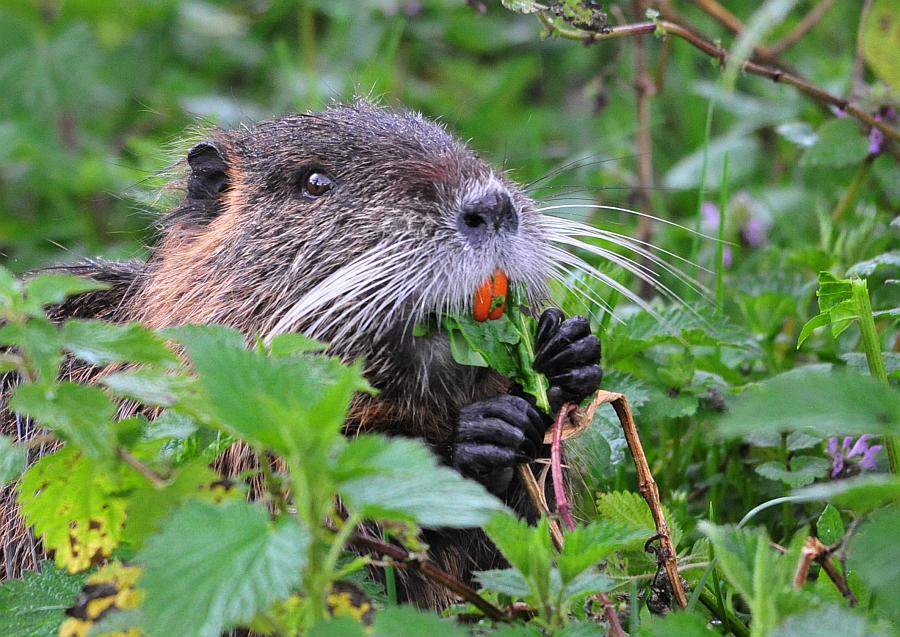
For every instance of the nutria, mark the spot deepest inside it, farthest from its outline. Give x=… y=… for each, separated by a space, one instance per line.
x=350 y=225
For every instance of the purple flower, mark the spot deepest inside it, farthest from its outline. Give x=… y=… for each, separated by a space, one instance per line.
x=755 y=232
x=851 y=458
x=709 y=217
x=876 y=139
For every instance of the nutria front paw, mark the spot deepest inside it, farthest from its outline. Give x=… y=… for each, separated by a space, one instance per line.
x=493 y=436
x=568 y=355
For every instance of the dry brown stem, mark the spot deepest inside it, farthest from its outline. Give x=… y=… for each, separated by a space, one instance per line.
x=536 y=495
x=647 y=487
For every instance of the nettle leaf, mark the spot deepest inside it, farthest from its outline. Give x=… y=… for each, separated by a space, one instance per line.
x=39 y=341
x=803 y=470
x=12 y=460
x=526 y=548
x=291 y=405
x=397 y=477
x=10 y=290
x=839 y=403
x=840 y=144
x=888 y=261
x=80 y=414
x=35 y=605
x=631 y=510
x=588 y=582
x=213 y=567
x=149 y=505
x=861 y=493
x=153 y=387
x=55 y=287
x=73 y=505
x=874 y=554
x=101 y=343
x=292 y=343
x=587 y=545
x=508 y=581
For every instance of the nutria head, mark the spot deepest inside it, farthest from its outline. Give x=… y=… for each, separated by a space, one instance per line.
x=349 y=225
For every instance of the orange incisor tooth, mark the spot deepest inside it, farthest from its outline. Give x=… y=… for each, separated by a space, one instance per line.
x=490 y=297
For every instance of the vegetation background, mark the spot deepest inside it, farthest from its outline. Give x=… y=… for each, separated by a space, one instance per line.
x=100 y=99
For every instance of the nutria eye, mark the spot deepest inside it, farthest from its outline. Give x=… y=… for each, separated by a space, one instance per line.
x=316 y=183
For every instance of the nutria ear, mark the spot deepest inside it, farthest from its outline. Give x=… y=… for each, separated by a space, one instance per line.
x=209 y=176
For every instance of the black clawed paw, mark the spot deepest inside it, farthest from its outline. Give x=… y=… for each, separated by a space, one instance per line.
x=494 y=435
x=568 y=354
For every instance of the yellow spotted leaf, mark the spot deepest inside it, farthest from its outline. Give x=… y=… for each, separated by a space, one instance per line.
x=70 y=500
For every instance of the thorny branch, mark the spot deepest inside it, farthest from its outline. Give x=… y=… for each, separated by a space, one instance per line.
x=667 y=27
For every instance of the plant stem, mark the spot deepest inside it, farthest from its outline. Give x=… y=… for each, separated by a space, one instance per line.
x=872 y=347
x=853 y=188
x=563 y=506
x=735 y=625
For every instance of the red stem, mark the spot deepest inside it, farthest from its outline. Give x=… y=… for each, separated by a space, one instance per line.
x=563 y=506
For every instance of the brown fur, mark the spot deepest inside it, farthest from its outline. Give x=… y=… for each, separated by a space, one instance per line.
x=243 y=258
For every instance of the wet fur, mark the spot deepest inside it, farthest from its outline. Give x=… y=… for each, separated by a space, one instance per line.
x=247 y=253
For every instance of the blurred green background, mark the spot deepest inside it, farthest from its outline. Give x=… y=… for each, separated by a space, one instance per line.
x=99 y=97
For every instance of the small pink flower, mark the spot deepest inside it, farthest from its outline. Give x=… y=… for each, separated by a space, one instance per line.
x=851 y=458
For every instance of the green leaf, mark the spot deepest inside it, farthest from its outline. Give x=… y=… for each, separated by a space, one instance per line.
x=838 y=403
x=861 y=494
x=526 y=548
x=829 y=526
x=829 y=621
x=405 y=621
x=632 y=510
x=12 y=460
x=874 y=553
x=10 y=290
x=78 y=413
x=39 y=342
x=399 y=477
x=291 y=343
x=153 y=387
x=73 y=506
x=885 y=264
x=840 y=144
x=800 y=133
x=588 y=582
x=337 y=627
x=149 y=505
x=803 y=470
x=819 y=320
x=508 y=581
x=881 y=41
x=35 y=605
x=54 y=288
x=676 y=625
x=587 y=545
x=295 y=406
x=213 y=567
x=101 y=343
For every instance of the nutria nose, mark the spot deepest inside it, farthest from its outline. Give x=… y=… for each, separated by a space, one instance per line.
x=490 y=215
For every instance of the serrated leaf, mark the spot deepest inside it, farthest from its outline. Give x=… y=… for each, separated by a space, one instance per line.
x=78 y=413
x=10 y=290
x=399 y=477
x=101 y=343
x=292 y=343
x=838 y=403
x=12 y=460
x=213 y=567
x=294 y=405
x=587 y=545
x=152 y=387
x=38 y=340
x=632 y=510
x=70 y=501
x=840 y=143
x=526 y=548
x=34 y=606
x=588 y=582
x=803 y=470
x=508 y=581
x=55 y=287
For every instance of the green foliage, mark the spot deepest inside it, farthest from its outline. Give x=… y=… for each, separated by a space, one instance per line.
x=202 y=544
x=93 y=99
